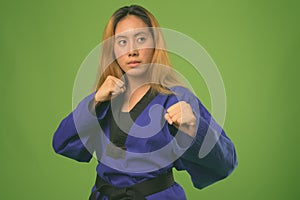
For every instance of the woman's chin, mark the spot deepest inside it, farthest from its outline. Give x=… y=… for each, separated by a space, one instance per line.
x=138 y=71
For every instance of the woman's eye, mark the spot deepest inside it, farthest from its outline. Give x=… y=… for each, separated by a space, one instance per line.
x=122 y=42
x=141 y=40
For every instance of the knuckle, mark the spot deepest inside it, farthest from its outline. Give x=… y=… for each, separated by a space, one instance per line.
x=108 y=78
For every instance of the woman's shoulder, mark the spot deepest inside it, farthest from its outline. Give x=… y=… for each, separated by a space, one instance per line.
x=179 y=88
x=182 y=92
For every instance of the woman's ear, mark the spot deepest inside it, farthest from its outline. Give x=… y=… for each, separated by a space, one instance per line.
x=113 y=55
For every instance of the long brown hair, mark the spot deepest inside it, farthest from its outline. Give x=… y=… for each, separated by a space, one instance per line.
x=162 y=77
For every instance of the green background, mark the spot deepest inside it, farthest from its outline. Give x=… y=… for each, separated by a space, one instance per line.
x=255 y=45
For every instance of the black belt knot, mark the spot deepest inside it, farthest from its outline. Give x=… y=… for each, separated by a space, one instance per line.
x=136 y=192
x=126 y=193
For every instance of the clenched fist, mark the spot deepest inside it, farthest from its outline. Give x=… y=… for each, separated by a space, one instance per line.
x=181 y=116
x=110 y=88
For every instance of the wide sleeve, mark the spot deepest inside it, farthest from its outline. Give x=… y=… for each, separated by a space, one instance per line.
x=77 y=133
x=211 y=155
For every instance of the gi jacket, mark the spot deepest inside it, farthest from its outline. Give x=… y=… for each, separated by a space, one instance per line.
x=150 y=147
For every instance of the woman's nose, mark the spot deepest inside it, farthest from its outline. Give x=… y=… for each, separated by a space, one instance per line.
x=133 y=52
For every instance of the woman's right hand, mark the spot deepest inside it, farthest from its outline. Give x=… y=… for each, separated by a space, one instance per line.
x=110 y=88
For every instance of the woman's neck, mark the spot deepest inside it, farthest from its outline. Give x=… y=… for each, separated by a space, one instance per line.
x=134 y=92
x=136 y=84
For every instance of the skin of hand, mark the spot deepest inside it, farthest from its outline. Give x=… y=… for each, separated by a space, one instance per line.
x=110 y=88
x=182 y=117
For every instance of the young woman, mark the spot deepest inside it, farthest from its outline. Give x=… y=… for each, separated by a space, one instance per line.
x=140 y=121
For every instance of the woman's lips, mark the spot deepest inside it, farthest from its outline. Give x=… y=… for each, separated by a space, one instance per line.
x=133 y=63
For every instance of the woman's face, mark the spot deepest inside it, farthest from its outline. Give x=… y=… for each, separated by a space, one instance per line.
x=133 y=45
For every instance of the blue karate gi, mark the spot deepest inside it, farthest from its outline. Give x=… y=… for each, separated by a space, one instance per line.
x=151 y=146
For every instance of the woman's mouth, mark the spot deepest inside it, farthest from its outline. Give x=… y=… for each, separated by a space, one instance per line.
x=133 y=63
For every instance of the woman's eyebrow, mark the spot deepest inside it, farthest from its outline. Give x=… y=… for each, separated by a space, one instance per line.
x=120 y=36
x=140 y=33
x=135 y=35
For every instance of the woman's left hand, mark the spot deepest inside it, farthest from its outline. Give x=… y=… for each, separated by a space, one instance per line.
x=181 y=116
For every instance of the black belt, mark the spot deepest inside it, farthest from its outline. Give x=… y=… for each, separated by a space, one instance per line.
x=136 y=192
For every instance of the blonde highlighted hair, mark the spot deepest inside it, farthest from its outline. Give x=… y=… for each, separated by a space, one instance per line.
x=162 y=77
